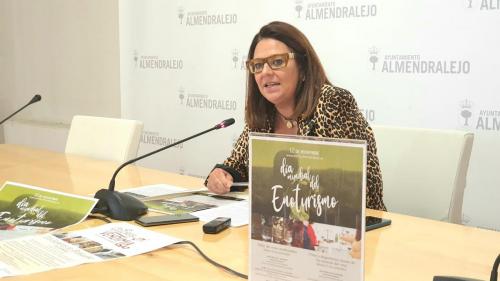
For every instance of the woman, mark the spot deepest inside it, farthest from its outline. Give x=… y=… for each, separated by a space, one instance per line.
x=288 y=93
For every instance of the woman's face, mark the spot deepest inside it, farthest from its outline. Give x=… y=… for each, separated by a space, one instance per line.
x=277 y=86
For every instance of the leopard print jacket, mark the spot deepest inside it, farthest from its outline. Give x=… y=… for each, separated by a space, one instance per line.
x=336 y=116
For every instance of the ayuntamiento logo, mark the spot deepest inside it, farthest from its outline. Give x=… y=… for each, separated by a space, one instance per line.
x=154 y=138
x=330 y=10
x=205 y=102
x=483 y=5
x=155 y=62
x=416 y=64
x=203 y=17
x=239 y=61
x=478 y=119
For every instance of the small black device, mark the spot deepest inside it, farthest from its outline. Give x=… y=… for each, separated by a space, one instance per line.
x=216 y=225
x=166 y=219
x=374 y=223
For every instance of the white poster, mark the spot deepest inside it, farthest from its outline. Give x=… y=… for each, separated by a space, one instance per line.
x=307 y=206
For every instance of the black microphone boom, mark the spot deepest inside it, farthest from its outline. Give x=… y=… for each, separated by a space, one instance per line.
x=121 y=206
x=35 y=98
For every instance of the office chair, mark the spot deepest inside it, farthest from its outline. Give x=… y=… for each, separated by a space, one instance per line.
x=424 y=171
x=104 y=138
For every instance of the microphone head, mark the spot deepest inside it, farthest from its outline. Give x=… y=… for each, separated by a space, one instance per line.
x=35 y=99
x=225 y=123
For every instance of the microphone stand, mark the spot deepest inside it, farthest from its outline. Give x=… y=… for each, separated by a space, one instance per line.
x=121 y=206
x=36 y=98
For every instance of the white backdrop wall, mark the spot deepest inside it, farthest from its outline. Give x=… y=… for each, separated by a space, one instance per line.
x=68 y=52
x=425 y=63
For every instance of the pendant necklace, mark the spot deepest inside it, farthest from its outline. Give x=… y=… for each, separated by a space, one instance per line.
x=288 y=122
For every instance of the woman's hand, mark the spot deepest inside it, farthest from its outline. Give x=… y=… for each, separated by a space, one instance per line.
x=219 y=181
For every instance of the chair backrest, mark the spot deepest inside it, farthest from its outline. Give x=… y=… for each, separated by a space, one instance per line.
x=424 y=170
x=104 y=138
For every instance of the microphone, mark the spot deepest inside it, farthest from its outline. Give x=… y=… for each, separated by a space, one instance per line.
x=311 y=124
x=121 y=206
x=36 y=98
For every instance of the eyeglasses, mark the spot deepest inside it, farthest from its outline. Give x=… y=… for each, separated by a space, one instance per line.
x=275 y=62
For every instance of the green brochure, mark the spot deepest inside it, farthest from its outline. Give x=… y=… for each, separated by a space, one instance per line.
x=28 y=210
x=307 y=208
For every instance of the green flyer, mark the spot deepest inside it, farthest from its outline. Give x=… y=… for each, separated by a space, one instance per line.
x=28 y=210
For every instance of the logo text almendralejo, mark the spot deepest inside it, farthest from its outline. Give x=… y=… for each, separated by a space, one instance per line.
x=154 y=62
x=203 y=18
x=328 y=10
x=203 y=101
x=413 y=64
x=154 y=138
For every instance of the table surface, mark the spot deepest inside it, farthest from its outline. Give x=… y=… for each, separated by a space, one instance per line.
x=410 y=249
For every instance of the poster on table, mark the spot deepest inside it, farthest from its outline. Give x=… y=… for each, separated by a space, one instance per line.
x=307 y=204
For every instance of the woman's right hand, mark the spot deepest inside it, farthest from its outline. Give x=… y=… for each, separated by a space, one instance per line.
x=219 y=181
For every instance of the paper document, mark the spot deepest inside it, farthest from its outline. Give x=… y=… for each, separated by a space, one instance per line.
x=170 y=199
x=238 y=212
x=32 y=254
x=29 y=210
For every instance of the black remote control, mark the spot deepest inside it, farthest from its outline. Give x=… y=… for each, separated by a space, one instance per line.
x=216 y=225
